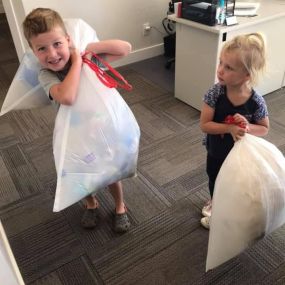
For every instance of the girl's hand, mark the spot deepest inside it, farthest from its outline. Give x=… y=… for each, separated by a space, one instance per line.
x=241 y=121
x=236 y=132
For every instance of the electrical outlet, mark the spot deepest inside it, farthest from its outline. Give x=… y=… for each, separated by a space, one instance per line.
x=146 y=28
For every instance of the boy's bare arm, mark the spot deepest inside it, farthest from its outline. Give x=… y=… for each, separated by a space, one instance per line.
x=65 y=92
x=113 y=49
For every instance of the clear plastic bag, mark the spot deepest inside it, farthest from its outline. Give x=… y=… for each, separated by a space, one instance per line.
x=96 y=141
x=249 y=198
x=25 y=91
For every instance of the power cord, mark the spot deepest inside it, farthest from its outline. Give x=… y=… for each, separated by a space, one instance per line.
x=169 y=26
x=155 y=28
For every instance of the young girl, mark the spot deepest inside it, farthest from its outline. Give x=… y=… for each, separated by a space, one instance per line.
x=60 y=75
x=241 y=60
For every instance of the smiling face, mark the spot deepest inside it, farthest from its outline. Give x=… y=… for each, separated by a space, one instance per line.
x=52 y=49
x=231 y=71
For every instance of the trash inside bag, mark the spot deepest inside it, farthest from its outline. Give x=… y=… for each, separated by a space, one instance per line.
x=96 y=141
x=25 y=91
x=249 y=198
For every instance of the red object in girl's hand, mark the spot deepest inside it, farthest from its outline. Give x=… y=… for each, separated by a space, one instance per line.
x=230 y=120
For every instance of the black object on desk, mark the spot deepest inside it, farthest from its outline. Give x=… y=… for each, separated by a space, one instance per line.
x=171 y=6
x=203 y=12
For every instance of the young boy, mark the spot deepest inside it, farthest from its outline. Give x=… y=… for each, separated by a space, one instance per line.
x=60 y=75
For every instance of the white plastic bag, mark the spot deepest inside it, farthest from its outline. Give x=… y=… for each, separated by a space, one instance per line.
x=249 y=198
x=96 y=141
x=25 y=91
x=80 y=32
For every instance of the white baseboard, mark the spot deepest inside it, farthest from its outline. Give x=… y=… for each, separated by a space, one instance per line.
x=140 y=54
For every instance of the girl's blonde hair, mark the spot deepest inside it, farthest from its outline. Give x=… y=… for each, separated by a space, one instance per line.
x=41 y=20
x=251 y=50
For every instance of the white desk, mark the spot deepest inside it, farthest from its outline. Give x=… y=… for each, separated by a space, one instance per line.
x=198 y=48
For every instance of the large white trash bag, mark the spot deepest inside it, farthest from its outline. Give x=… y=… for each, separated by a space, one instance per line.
x=25 y=91
x=249 y=198
x=80 y=33
x=96 y=141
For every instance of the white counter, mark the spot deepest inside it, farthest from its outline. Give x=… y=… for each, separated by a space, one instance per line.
x=198 y=47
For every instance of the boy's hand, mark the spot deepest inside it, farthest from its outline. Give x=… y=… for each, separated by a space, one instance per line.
x=75 y=56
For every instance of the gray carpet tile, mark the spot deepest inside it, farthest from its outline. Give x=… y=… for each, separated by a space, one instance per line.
x=50 y=245
x=276 y=134
x=276 y=277
x=39 y=153
x=8 y=137
x=169 y=159
x=143 y=89
x=269 y=253
x=186 y=186
x=152 y=126
x=49 y=279
x=233 y=272
x=26 y=213
x=174 y=109
x=78 y=270
x=7 y=51
x=143 y=243
x=156 y=73
x=8 y=191
x=21 y=171
x=7 y=71
x=30 y=125
x=74 y=272
x=276 y=104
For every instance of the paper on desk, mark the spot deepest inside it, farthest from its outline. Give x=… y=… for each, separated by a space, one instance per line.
x=246 y=8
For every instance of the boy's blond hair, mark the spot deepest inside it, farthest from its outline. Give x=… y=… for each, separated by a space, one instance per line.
x=251 y=50
x=41 y=20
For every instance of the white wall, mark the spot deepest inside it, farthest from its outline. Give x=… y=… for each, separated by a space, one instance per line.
x=110 y=18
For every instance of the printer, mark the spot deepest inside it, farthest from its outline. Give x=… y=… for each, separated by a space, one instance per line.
x=203 y=12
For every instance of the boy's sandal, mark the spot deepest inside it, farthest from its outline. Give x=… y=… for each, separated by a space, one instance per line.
x=121 y=223
x=90 y=218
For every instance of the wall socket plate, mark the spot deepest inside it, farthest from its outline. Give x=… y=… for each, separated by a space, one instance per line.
x=146 y=28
